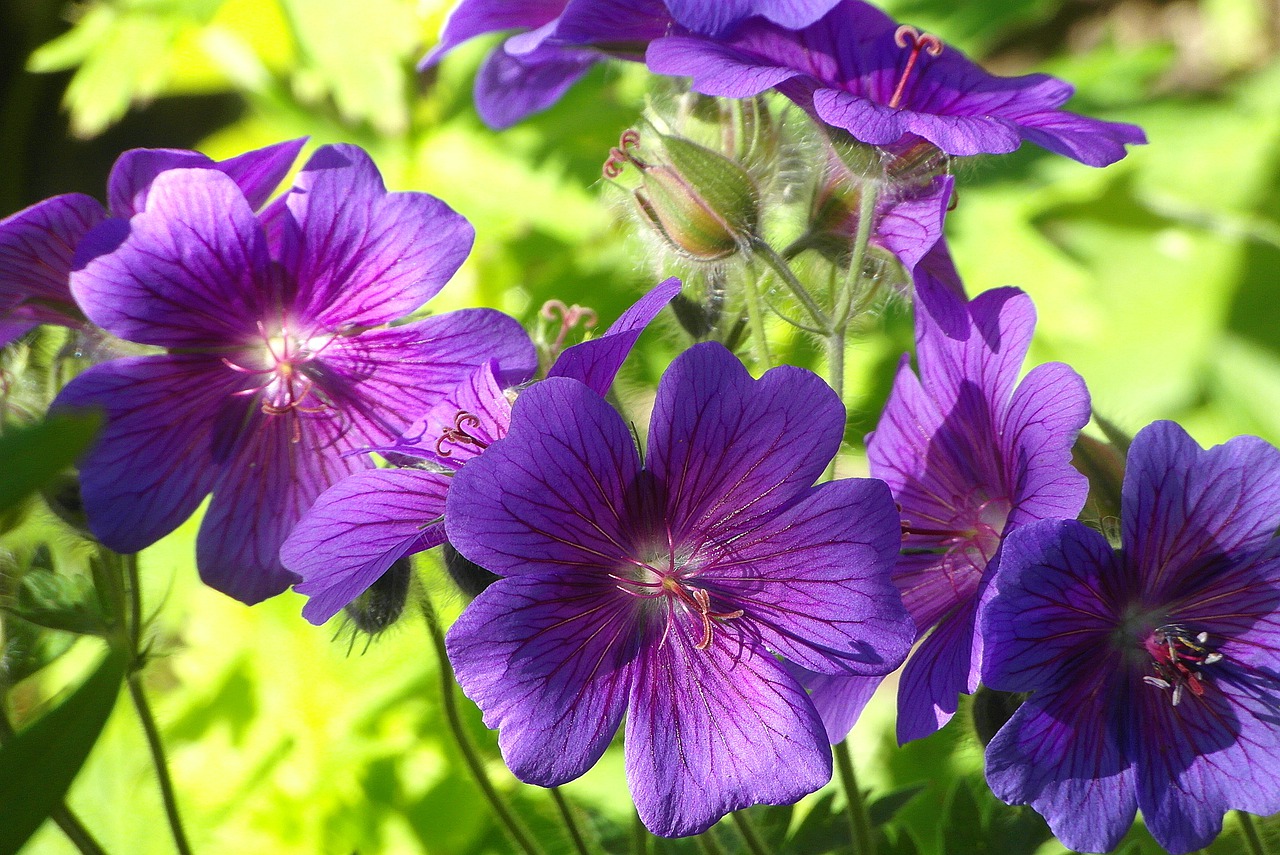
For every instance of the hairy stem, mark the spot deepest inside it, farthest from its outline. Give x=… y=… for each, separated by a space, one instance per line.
x=779 y=266
x=143 y=708
x=1251 y=835
x=570 y=823
x=755 y=319
x=514 y=827
x=864 y=843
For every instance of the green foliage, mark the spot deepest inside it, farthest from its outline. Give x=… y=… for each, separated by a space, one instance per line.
x=38 y=764
x=31 y=457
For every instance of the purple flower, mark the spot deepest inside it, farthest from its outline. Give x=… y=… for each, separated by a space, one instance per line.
x=662 y=590
x=278 y=363
x=38 y=244
x=1152 y=668
x=886 y=84
x=970 y=454
x=359 y=527
x=559 y=40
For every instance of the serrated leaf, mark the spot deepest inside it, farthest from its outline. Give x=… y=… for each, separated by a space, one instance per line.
x=59 y=601
x=31 y=457
x=38 y=765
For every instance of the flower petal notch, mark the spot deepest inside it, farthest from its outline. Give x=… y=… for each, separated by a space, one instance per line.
x=663 y=590
x=277 y=368
x=1151 y=667
x=887 y=85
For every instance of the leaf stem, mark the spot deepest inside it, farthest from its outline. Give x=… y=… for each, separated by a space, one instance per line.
x=762 y=249
x=1251 y=835
x=514 y=827
x=855 y=806
x=566 y=812
x=145 y=715
x=708 y=843
x=755 y=319
x=749 y=834
x=640 y=838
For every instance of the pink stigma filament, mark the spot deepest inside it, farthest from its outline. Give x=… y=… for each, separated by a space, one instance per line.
x=286 y=385
x=458 y=434
x=908 y=36
x=674 y=590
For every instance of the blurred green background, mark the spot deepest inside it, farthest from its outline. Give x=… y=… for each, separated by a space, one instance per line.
x=1157 y=278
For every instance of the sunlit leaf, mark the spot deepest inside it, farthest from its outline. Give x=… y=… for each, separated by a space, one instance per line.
x=31 y=457
x=38 y=765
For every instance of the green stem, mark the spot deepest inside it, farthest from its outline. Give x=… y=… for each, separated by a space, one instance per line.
x=1256 y=846
x=639 y=838
x=755 y=319
x=514 y=827
x=857 y=256
x=61 y=814
x=855 y=807
x=749 y=834
x=708 y=843
x=778 y=265
x=148 y=719
x=579 y=842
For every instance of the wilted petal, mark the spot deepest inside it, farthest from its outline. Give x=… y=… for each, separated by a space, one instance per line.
x=596 y=362
x=1184 y=507
x=712 y=731
x=277 y=467
x=362 y=256
x=357 y=529
x=1062 y=753
x=553 y=494
x=549 y=660
x=730 y=449
x=152 y=464
x=815 y=580
x=190 y=271
x=37 y=246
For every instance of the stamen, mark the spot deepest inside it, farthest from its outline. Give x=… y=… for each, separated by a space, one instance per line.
x=570 y=317
x=622 y=154
x=1174 y=652
x=908 y=36
x=458 y=434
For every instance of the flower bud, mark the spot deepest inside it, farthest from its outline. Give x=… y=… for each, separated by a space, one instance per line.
x=991 y=710
x=469 y=576
x=702 y=204
x=382 y=603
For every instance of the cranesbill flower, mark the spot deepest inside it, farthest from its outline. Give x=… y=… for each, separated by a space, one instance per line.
x=278 y=362
x=662 y=590
x=886 y=84
x=38 y=244
x=1152 y=668
x=359 y=527
x=559 y=40
x=970 y=454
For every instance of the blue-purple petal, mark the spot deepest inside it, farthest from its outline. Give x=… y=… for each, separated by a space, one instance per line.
x=37 y=247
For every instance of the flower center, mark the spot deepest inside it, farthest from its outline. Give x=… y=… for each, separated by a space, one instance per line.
x=908 y=36
x=966 y=542
x=678 y=596
x=1178 y=659
x=278 y=365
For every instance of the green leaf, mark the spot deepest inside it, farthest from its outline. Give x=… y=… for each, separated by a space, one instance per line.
x=28 y=648
x=887 y=806
x=38 y=765
x=824 y=829
x=60 y=601
x=31 y=457
x=962 y=831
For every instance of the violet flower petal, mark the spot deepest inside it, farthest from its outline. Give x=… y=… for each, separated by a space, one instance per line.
x=552 y=495
x=941 y=669
x=472 y=18
x=149 y=468
x=191 y=271
x=362 y=256
x=357 y=529
x=712 y=731
x=596 y=362
x=550 y=660
x=37 y=245
x=714 y=428
x=278 y=467
x=511 y=87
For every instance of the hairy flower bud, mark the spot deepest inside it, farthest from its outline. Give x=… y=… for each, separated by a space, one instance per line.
x=702 y=204
x=382 y=603
x=469 y=576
